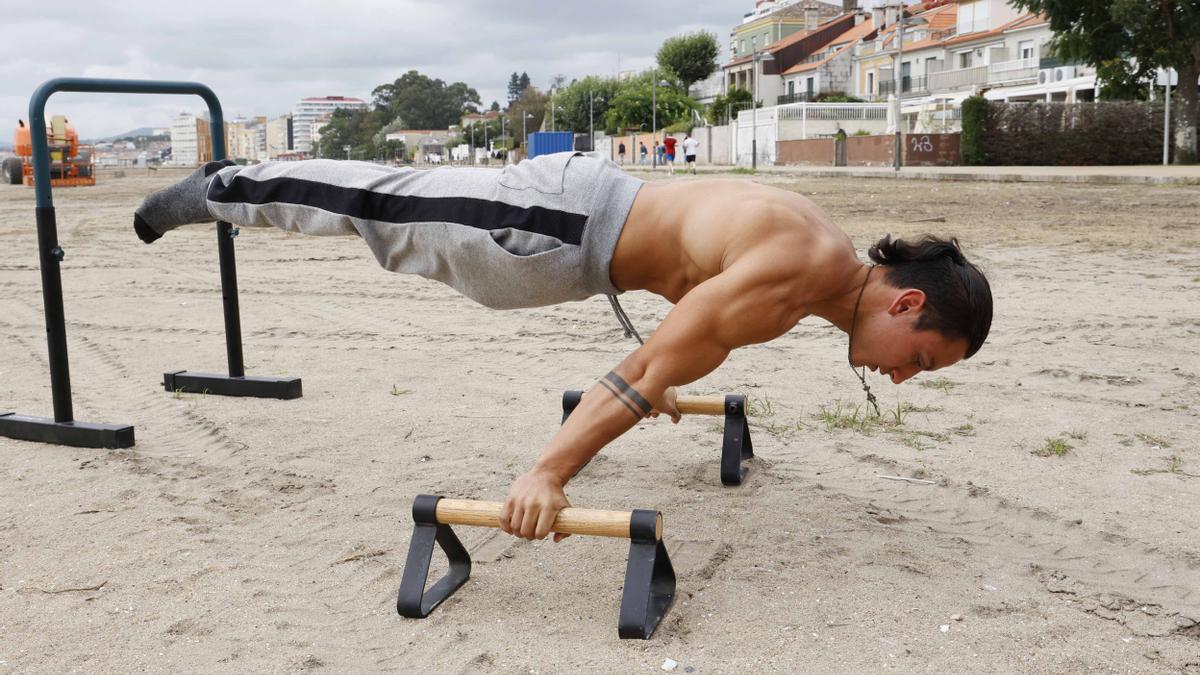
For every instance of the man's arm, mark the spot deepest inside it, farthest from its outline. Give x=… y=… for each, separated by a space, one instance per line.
x=742 y=305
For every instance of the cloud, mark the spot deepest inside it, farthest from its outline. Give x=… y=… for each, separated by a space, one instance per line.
x=261 y=57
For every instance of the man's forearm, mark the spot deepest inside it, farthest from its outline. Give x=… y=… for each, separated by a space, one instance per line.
x=610 y=408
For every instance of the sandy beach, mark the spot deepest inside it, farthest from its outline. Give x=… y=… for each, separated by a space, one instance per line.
x=248 y=535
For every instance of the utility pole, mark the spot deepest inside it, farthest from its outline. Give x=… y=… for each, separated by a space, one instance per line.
x=898 y=146
x=654 y=121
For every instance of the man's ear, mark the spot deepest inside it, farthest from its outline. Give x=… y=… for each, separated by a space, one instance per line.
x=908 y=300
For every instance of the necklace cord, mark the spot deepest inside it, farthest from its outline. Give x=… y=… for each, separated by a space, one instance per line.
x=850 y=346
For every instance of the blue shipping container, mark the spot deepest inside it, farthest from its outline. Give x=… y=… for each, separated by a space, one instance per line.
x=550 y=142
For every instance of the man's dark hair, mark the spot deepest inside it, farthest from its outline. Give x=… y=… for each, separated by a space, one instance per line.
x=958 y=299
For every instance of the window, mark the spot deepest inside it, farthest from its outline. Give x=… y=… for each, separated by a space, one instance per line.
x=965 y=59
x=1025 y=50
x=871 y=82
x=808 y=86
x=791 y=87
x=972 y=16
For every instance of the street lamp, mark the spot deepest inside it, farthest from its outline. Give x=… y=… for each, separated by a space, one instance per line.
x=591 y=122
x=755 y=60
x=898 y=145
x=654 y=118
x=486 y=151
x=525 y=132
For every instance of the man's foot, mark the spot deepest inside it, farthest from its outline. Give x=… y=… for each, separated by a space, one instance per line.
x=180 y=204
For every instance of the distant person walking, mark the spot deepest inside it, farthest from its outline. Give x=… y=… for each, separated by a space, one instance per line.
x=658 y=153
x=689 y=152
x=669 y=154
x=621 y=153
x=642 y=151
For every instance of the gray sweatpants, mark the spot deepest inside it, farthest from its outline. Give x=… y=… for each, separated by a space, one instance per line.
x=536 y=233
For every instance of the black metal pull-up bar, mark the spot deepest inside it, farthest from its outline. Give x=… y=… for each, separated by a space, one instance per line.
x=63 y=429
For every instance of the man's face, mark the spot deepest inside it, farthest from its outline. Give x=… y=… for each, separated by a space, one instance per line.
x=889 y=343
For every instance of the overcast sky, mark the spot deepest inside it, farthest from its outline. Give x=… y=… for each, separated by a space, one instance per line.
x=261 y=56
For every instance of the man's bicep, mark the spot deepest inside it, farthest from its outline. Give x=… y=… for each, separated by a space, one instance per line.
x=713 y=319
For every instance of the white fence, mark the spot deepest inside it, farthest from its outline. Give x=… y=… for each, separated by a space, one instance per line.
x=799 y=121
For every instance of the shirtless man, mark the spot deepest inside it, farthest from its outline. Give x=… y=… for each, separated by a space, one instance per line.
x=742 y=263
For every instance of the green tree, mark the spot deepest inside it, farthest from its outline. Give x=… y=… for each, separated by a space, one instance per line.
x=632 y=107
x=531 y=102
x=1126 y=40
x=574 y=101
x=690 y=58
x=514 y=88
x=425 y=103
x=524 y=82
x=728 y=104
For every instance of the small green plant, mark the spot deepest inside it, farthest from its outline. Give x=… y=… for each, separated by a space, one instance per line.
x=741 y=170
x=1054 y=447
x=844 y=416
x=861 y=132
x=1174 y=467
x=963 y=430
x=396 y=391
x=1080 y=436
x=759 y=407
x=1157 y=441
x=941 y=384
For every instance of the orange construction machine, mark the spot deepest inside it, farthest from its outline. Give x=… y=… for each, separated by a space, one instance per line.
x=70 y=163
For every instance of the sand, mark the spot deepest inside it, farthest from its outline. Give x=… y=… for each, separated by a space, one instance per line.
x=263 y=536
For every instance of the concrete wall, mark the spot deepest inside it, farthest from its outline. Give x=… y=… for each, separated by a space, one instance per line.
x=815 y=151
x=714 y=146
x=931 y=149
x=919 y=150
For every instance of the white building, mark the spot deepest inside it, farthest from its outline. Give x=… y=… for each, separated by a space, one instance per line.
x=189 y=140
x=310 y=111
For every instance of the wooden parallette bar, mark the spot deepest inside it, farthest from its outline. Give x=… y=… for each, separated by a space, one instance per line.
x=569 y=521
x=700 y=405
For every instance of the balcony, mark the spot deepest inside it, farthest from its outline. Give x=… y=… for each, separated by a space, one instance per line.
x=909 y=86
x=800 y=97
x=1020 y=71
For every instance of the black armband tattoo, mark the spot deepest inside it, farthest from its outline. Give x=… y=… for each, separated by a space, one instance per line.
x=617 y=395
x=636 y=402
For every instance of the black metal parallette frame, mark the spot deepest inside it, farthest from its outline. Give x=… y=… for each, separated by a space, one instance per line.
x=413 y=600
x=736 y=445
x=649 y=577
x=62 y=429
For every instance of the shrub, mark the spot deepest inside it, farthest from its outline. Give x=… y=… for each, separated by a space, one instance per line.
x=974 y=124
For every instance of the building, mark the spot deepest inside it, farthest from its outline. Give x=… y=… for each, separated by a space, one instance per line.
x=279 y=137
x=241 y=139
x=774 y=20
x=191 y=142
x=308 y=114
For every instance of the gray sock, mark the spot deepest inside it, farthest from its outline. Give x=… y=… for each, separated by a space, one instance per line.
x=183 y=203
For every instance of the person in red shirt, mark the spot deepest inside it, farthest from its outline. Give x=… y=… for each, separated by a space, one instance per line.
x=669 y=155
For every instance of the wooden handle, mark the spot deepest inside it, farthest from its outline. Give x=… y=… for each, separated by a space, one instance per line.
x=701 y=405
x=569 y=521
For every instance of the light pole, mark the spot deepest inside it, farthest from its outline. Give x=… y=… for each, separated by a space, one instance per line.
x=755 y=60
x=591 y=123
x=654 y=118
x=486 y=152
x=898 y=145
x=525 y=132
